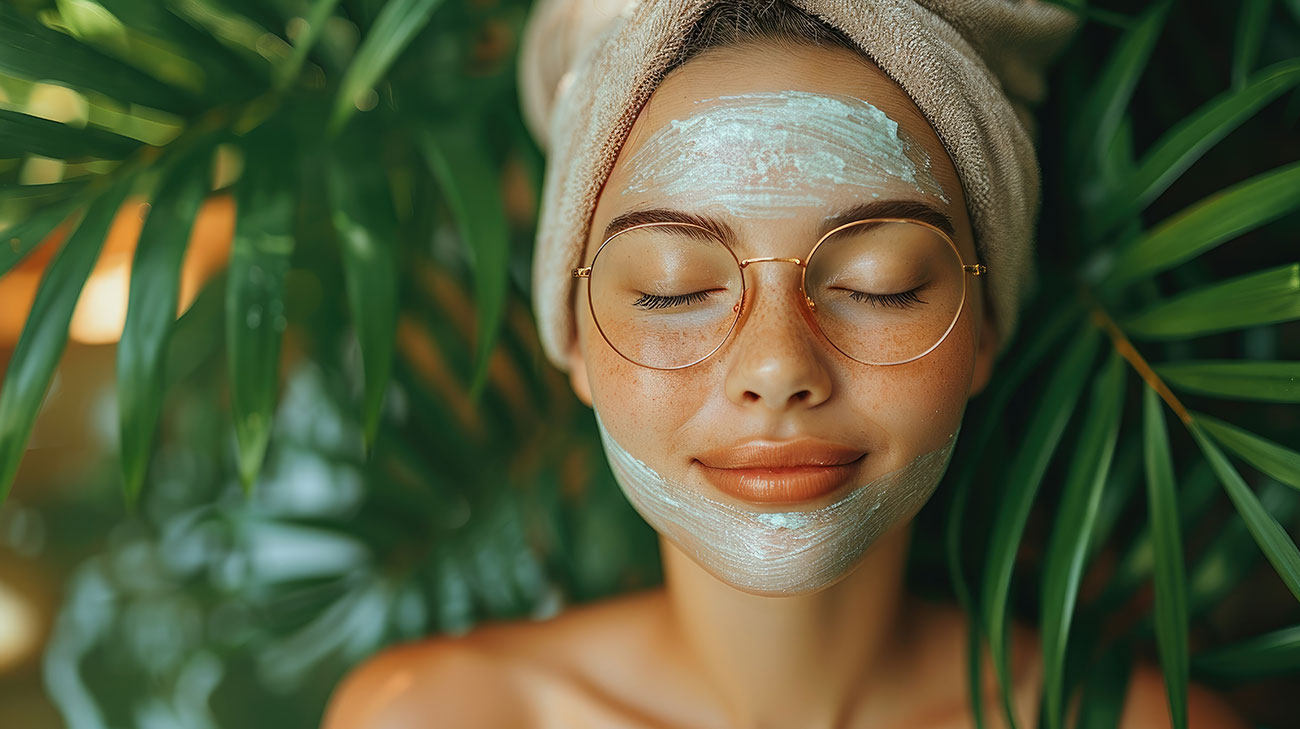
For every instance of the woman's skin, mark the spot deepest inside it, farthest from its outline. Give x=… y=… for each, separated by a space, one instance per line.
x=698 y=652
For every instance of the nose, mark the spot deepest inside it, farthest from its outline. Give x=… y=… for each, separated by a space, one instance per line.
x=776 y=357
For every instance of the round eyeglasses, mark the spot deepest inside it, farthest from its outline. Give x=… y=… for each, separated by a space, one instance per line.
x=882 y=291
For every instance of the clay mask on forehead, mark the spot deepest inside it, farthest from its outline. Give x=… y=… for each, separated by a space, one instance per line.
x=759 y=155
x=776 y=552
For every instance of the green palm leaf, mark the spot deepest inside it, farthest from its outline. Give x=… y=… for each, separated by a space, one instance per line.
x=366 y=225
x=1264 y=297
x=469 y=183
x=1229 y=213
x=1232 y=556
x=1277 y=461
x=1104 y=107
x=315 y=24
x=1186 y=142
x=32 y=51
x=1170 y=577
x=1118 y=162
x=255 y=315
x=1272 y=539
x=1250 y=33
x=1075 y=517
x=1237 y=379
x=1042 y=340
x=46 y=334
x=222 y=74
x=1270 y=654
x=241 y=32
x=22 y=237
x=46 y=193
x=1116 y=496
x=1195 y=496
x=1025 y=474
x=397 y=24
x=151 y=311
x=23 y=134
x=1103 y=695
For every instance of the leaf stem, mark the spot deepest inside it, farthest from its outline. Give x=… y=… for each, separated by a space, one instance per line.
x=1138 y=362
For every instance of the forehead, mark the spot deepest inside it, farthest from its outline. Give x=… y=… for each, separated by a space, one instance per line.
x=671 y=116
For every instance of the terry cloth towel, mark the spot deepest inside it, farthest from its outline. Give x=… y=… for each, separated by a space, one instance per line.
x=972 y=67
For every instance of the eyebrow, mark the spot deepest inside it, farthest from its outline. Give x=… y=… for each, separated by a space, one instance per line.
x=920 y=210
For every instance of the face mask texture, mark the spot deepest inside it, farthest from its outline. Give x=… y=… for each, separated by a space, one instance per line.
x=776 y=552
x=759 y=155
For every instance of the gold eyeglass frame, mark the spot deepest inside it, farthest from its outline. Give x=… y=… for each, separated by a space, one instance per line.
x=974 y=269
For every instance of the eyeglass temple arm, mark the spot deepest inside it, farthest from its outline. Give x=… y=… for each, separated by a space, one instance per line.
x=977 y=269
x=584 y=272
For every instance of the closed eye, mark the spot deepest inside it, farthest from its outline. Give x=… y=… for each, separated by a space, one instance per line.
x=901 y=300
x=655 y=301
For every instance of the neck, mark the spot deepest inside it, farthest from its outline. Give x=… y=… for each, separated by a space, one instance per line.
x=800 y=660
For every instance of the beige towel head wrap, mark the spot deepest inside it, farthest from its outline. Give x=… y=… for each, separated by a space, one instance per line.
x=971 y=66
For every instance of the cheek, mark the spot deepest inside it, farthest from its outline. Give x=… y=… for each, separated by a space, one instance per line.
x=921 y=403
x=643 y=409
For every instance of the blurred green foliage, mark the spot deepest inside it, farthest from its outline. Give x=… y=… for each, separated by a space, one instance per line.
x=352 y=438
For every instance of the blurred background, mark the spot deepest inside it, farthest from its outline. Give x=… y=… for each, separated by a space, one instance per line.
x=273 y=397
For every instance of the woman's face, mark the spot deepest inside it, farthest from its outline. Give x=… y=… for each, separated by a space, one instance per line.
x=776 y=379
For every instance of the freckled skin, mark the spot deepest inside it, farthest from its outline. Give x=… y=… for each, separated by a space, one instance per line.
x=776 y=376
x=697 y=652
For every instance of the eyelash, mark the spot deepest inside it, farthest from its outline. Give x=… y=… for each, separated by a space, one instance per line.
x=902 y=300
x=654 y=301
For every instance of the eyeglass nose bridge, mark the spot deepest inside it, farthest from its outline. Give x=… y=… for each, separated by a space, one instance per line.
x=812 y=306
x=796 y=261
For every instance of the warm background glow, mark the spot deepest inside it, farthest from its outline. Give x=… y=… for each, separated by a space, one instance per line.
x=101 y=310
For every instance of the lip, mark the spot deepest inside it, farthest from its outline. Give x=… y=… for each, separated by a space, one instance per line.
x=767 y=472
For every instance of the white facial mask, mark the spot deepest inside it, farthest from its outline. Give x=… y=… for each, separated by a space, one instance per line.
x=776 y=552
x=759 y=155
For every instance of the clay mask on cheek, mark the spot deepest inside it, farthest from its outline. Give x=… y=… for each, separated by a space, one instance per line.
x=758 y=155
x=776 y=552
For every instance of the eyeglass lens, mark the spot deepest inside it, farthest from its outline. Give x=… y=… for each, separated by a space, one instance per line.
x=883 y=292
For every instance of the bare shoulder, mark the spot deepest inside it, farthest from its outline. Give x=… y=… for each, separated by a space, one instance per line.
x=491 y=677
x=454 y=679
x=1146 y=706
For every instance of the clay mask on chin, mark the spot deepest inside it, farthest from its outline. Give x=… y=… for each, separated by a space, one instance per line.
x=776 y=552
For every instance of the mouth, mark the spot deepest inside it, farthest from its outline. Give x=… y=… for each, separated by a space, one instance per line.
x=780 y=473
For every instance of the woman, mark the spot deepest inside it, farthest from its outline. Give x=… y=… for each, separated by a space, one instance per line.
x=777 y=280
